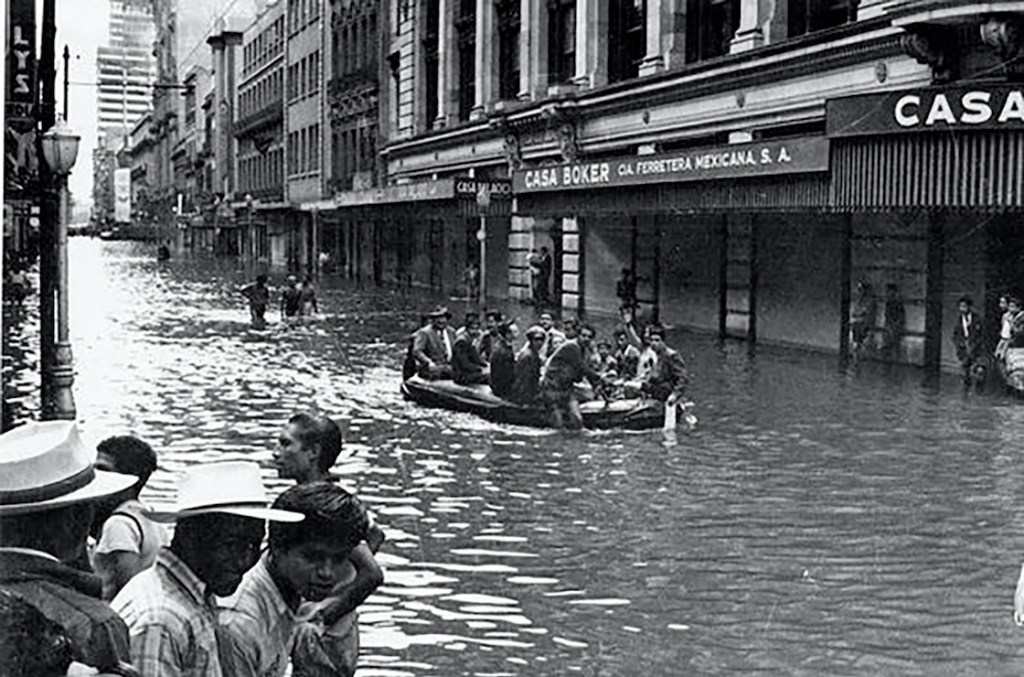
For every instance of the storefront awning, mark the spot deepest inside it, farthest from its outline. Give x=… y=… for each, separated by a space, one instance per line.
x=977 y=170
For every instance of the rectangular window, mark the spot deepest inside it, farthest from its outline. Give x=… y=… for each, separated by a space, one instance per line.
x=710 y=27
x=509 y=26
x=808 y=16
x=465 y=30
x=430 y=62
x=561 y=41
x=626 y=38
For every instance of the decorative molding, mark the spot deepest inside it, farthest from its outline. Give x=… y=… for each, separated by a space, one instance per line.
x=1003 y=34
x=934 y=46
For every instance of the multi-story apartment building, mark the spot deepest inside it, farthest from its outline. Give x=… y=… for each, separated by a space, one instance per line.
x=259 y=131
x=748 y=161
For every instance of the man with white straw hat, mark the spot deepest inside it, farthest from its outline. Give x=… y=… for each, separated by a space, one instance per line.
x=221 y=516
x=48 y=484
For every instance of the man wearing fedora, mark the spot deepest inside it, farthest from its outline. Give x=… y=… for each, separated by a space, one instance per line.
x=48 y=486
x=220 y=517
x=432 y=346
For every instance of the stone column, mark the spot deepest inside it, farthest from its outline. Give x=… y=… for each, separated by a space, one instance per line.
x=533 y=50
x=447 y=62
x=591 y=43
x=486 y=63
x=748 y=33
x=666 y=35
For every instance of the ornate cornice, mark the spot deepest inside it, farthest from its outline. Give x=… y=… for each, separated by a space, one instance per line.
x=261 y=119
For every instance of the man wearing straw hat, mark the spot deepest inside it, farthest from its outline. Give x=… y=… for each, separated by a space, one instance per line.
x=221 y=517
x=48 y=485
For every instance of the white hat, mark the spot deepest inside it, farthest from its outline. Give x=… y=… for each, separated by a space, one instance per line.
x=231 y=487
x=46 y=465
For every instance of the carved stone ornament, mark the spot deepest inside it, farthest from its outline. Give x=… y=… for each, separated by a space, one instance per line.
x=1003 y=34
x=933 y=46
x=567 y=143
x=513 y=153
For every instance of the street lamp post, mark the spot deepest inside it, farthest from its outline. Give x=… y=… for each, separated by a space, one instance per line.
x=60 y=150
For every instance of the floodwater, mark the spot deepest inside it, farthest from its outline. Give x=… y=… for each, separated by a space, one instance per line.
x=817 y=522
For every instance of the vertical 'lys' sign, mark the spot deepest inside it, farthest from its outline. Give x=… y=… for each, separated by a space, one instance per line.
x=21 y=64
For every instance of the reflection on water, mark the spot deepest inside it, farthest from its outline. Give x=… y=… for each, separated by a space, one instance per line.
x=817 y=522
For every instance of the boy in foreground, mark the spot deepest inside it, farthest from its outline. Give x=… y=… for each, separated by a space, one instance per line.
x=262 y=624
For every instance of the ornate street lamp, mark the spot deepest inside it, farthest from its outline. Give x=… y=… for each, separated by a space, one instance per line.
x=59 y=147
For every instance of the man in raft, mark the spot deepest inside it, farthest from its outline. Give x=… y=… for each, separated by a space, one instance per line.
x=432 y=346
x=566 y=366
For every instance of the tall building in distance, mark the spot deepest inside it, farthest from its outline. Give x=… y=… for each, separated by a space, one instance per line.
x=126 y=68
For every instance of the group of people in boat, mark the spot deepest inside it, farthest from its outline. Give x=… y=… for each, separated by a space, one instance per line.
x=972 y=339
x=90 y=583
x=556 y=368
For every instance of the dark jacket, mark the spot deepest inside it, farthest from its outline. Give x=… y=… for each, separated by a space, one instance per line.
x=71 y=598
x=566 y=366
x=467 y=365
x=968 y=343
x=526 y=386
x=669 y=377
x=503 y=369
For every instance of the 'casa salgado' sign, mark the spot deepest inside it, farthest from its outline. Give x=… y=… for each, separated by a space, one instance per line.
x=927 y=110
x=770 y=158
x=19 y=109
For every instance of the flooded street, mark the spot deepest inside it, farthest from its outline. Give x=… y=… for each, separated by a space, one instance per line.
x=816 y=522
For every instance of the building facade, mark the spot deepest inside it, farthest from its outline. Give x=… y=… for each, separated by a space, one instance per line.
x=125 y=67
x=259 y=132
x=712 y=150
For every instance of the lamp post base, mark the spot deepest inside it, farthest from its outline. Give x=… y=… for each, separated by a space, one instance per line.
x=59 y=402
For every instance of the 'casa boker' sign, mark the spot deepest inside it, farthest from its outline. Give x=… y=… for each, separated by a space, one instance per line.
x=924 y=110
x=700 y=164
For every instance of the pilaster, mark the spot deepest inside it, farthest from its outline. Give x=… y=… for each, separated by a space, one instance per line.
x=447 y=55
x=486 y=65
x=666 y=33
x=591 y=43
x=533 y=50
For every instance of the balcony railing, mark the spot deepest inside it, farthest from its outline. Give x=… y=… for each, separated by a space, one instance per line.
x=262 y=118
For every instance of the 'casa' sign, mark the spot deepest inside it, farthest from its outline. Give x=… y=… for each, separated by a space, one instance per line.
x=923 y=110
x=768 y=158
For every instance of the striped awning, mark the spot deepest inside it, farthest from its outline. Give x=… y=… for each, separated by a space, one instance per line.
x=802 y=192
x=977 y=170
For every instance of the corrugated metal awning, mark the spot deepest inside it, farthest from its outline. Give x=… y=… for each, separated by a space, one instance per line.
x=977 y=170
x=802 y=192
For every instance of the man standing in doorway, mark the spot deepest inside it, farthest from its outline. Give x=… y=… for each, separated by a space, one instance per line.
x=967 y=337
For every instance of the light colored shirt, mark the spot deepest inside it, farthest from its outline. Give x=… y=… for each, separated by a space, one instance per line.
x=172 y=624
x=261 y=632
x=129 y=530
x=1006 y=330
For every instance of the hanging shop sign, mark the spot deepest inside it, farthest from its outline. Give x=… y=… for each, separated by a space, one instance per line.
x=734 y=161
x=927 y=110
x=19 y=111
